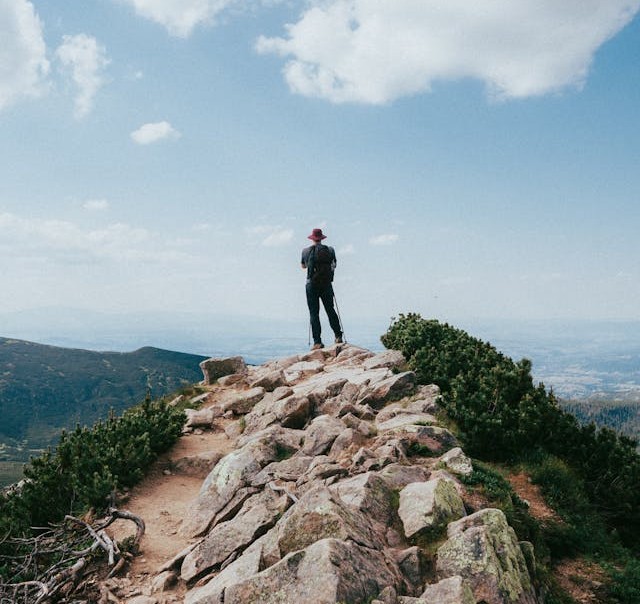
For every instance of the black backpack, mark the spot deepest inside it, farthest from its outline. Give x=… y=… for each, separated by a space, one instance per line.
x=321 y=265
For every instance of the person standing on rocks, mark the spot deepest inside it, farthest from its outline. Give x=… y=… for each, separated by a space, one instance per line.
x=320 y=262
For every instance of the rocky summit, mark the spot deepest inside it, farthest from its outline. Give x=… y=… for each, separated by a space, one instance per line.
x=341 y=487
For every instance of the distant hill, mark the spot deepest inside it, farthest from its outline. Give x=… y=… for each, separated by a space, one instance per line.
x=46 y=388
x=621 y=415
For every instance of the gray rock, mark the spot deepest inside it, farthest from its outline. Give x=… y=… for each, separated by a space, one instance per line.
x=321 y=434
x=218 y=367
x=319 y=514
x=454 y=590
x=410 y=565
x=326 y=572
x=232 y=380
x=200 y=418
x=293 y=411
x=390 y=389
x=483 y=549
x=451 y=478
x=456 y=461
x=271 y=381
x=142 y=600
x=244 y=567
x=387 y=596
x=303 y=369
x=284 y=438
x=398 y=476
x=288 y=470
x=434 y=440
x=281 y=392
x=313 y=355
x=429 y=505
x=245 y=401
x=367 y=493
x=235 y=428
x=353 y=353
x=197 y=465
x=258 y=514
x=404 y=419
x=163 y=581
x=391 y=359
x=232 y=472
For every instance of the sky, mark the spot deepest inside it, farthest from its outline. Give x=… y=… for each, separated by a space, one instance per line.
x=466 y=160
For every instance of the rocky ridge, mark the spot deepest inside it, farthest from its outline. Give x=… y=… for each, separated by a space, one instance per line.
x=342 y=488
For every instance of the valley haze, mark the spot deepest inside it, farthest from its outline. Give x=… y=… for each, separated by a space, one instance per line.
x=578 y=359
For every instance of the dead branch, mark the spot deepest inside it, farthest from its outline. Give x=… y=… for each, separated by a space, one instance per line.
x=57 y=559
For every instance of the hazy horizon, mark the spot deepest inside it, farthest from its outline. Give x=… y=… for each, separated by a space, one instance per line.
x=577 y=358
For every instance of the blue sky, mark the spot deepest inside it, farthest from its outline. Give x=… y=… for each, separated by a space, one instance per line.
x=467 y=160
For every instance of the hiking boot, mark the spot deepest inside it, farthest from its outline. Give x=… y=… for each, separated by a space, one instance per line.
x=339 y=339
x=317 y=346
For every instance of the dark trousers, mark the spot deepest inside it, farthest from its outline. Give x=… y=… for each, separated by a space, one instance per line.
x=314 y=295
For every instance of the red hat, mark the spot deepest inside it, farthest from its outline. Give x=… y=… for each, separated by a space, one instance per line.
x=317 y=235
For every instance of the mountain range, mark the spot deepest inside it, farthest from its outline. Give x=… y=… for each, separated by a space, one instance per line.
x=44 y=389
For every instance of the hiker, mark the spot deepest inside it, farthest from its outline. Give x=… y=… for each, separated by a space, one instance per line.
x=320 y=261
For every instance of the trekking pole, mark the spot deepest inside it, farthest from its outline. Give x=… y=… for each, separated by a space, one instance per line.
x=335 y=301
x=309 y=340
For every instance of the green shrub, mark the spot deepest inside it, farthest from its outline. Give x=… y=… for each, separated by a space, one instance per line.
x=87 y=466
x=624 y=587
x=501 y=415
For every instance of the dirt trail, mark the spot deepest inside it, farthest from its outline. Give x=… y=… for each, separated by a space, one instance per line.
x=161 y=500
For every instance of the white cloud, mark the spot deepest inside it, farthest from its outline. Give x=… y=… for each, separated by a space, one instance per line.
x=86 y=59
x=375 y=51
x=65 y=241
x=271 y=236
x=278 y=238
x=347 y=250
x=96 y=205
x=386 y=239
x=180 y=17
x=23 y=63
x=154 y=132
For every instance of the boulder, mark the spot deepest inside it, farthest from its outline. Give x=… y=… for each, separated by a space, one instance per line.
x=258 y=514
x=320 y=514
x=404 y=419
x=232 y=380
x=288 y=470
x=350 y=354
x=454 y=590
x=425 y=441
x=483 y=549
x=410 y=564
x=321 y=434
x=198 y=466
x=200 y=418
x=391 y=359
x=293 y=411
x=398 y=476
x=429 y=505
x=285 y=439
x=271 y=380
x=244 y=567
x=245 y=401
x=232 y=472
x=457 y=462
x=346 y=441
x=390 y=389
x=367 y=493
x=303 y=369
x=219 y=367
x=325 y=572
